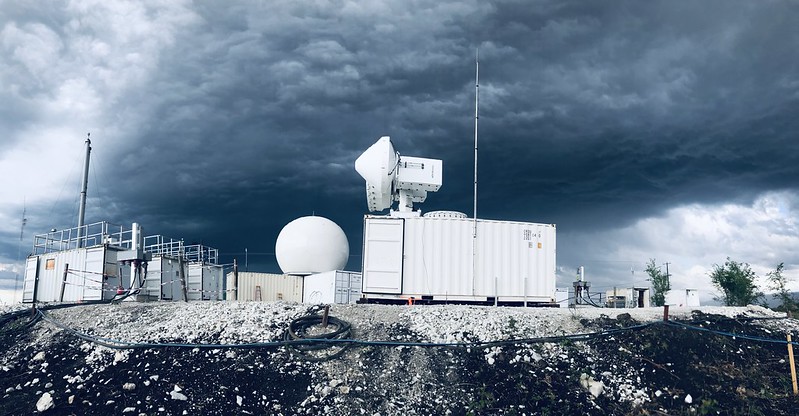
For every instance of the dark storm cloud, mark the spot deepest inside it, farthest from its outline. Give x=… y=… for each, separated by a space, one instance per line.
x=245 y=116
x=639 y=108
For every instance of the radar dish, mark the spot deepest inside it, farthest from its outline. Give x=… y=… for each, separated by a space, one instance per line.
x=391 y=177
x=377 y=165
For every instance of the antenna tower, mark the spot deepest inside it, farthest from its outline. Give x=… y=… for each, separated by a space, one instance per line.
x=474 y=212
x=476 y=117
x=19 y=247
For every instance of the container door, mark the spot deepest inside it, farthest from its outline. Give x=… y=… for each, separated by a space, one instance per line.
x=194 y=281
x=355 y=288
x=31 y=269
x=94 y=270
x=382 y=255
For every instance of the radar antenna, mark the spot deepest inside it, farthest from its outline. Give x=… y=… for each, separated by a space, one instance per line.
x=391 y=177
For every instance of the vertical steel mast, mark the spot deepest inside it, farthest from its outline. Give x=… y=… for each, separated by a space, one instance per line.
x=84 y=187
x=474 y=212
x=19 y=249
x=476 y=117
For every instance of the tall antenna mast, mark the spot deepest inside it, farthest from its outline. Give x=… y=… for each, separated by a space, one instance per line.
x=476 y=117
x=474 y=212
x=19 y=246
x=84 y=187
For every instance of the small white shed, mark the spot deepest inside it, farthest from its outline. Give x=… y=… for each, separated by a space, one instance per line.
x=332 y=287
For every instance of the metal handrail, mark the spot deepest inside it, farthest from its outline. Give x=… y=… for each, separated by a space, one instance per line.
x=89 y=235
x=113 y=235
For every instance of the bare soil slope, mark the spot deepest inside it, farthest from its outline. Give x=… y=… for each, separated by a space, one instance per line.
x=718 y=361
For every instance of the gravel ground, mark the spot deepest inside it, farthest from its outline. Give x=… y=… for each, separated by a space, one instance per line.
x=654 y=369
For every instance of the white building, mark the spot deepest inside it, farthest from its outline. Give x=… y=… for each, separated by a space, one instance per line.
x=102 y=261
x=634 y=297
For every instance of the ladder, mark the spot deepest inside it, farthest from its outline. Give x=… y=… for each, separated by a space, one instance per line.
x=258 y=293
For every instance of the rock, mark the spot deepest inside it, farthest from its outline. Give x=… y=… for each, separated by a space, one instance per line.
x=119 y=356
x=178 y=396
x=594 y=387
x=71 y=399
x=176 y=393
x=129 y=410
x=239 y=400
x=689 y=399
x=623 y=317
x=39 y=356
x=129 y=386
x=45 y=402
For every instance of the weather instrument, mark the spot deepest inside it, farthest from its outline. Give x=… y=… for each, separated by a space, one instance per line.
x=391 y=177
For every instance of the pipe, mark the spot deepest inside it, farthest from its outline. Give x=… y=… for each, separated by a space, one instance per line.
x=84 y=187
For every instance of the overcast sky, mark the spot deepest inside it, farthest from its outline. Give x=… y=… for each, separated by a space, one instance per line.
x=663 y=130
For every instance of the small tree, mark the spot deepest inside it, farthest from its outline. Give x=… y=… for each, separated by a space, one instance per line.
x=736 y=281
x=779 y=284
x=660 y=283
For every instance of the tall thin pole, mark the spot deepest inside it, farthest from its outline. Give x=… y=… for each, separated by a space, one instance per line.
x=476 y=117
x=84 y=187
x=793 y=366
x=235 y=279
x=19 y=248
x=474 y=211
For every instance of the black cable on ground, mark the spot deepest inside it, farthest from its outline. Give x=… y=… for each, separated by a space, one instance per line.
x=8 y=318
x=717 y=319
x=309 y=327
x=336 y=338
x=310 y=341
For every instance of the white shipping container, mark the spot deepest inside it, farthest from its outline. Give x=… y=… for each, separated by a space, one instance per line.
x=92 y=275
x=265 y=287
x=204 y=281
x=631 y=297
x=332 y=287
x=688 y=298
x=163 y=279
x=435 y=258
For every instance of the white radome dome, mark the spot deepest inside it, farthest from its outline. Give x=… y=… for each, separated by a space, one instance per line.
x=311 y=245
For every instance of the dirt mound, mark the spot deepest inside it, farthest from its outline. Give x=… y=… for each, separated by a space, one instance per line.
x=705 y=364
